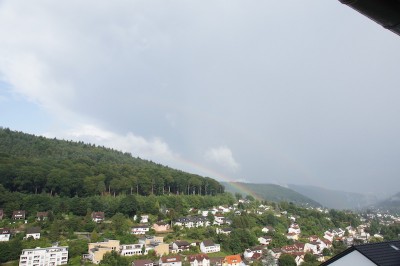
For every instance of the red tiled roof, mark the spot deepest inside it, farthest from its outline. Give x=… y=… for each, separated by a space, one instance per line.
x=233 y=259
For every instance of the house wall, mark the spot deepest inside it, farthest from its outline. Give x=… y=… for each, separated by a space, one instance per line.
x=162 y=249
x=354 y=258
x=4 y=237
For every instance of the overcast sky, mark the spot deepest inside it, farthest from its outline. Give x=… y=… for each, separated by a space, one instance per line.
x=302 y=92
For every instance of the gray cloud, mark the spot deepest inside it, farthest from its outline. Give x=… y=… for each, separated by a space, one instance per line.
x=301 y=91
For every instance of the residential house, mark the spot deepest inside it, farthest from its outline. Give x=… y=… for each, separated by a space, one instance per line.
x=42 y=216
x=381 y=253
x=99 y=249
x=161 y=227
x=144 y=218
x=133 y=250
x=267 y=229
x=140 y=229
x=233 y=260
x=55 y=255
x=299 y=259
x=199 y=260
x=33 y=232
x=142 y=263
x=339 y=232
x=313 y=247
x=250 y=252
x=98 y=217
x=219 y=219
x=275 y=253
x=160 y=249
x=329 y=236
x=265 y=240
x=151 y=240
x=314 y=238
x=292 y=236
x=225 y=231
x=175 y=260
x=1 y=214
x=351 y=230
x=18 y=215
x=155 y=243
x=295 y=248
x=216 y=261
x=224 y=209
x=192 y=221
x=179 y=246
x=208 y=246
x=294 y=228
x=5 y=234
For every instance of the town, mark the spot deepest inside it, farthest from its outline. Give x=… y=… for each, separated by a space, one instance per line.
x=247 y=232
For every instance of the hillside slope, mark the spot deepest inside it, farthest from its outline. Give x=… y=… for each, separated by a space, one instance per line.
x=32 y=164
x=269 y=192
x=335 y=199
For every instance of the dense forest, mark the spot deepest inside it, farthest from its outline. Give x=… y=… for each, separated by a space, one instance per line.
x=34 y=165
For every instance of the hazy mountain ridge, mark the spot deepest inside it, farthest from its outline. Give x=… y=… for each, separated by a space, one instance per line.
x=391 y=203
x=269 y=192
x=334 y=198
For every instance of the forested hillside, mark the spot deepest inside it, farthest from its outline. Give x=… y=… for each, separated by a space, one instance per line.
x=31 y=164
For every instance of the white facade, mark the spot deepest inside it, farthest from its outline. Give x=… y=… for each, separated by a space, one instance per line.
x=133 y=250
x=209 y=248
x=5 y=235
x=140 y=230
x=354 y=258
x=44 y=256
x=34 y=236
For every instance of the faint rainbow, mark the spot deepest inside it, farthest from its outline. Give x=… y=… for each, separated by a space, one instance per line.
x=214 y=174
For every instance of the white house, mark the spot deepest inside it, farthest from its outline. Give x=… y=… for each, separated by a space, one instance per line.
x=170 y=261
x=224 y=231
x=33 y=232
x=249 y=253
x=292 y=236
x=264 y=240
x=294 y=228
x=179 y=246
x=98 y=217
x=198 y=260
x=208 y=246
x=299 y=259
x=224 y=209
x=267 y=229
x=140 y=229
x=133 y=250
x=312 y=247
x=44 y=256
x=219 y=219
x=5 y=234
x=328 y=235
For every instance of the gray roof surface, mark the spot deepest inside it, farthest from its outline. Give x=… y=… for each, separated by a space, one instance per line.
x=382 y=253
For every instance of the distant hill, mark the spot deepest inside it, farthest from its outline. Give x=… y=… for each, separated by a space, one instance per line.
x=392 y=203
x=335 y=199
x=269 y=192
x=35 y=164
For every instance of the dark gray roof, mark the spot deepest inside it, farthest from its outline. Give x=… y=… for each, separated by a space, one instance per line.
x=33 y=230
x=384 y=12
x=208 y=243
x=383 y=253
x=5 y=231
